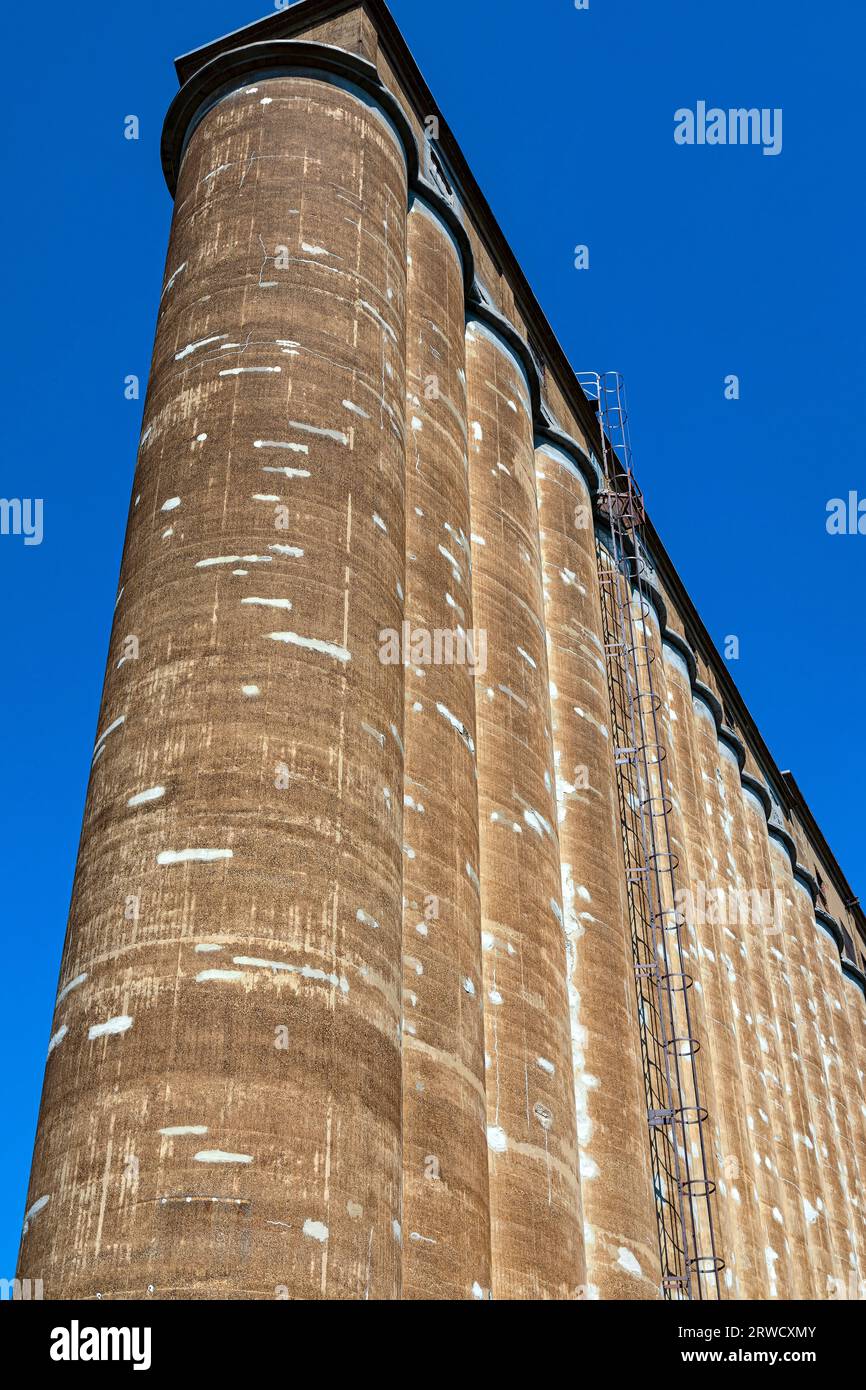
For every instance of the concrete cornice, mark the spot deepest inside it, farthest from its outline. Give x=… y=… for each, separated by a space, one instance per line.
x=477 y=308
x=230 y=70
x=801 y=873
x=555 y=438
x=445 y=210
x=853 y=972
x=711 y=700
x=781 y=836
x=681 y=646
x=727 y=735
x=833 y=928
x=757 y=788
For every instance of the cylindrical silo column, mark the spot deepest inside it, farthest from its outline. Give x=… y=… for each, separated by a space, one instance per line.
x=841 y=1059
x=806 y=1100
x=749 y=915
x=446 y=1219
x=824 y=1024
x=222 y=1107
x=771 y=1004
x=680 y=773
x=536 y=1220
x=745 y=1274
x=854 y=999
x=622 y=1247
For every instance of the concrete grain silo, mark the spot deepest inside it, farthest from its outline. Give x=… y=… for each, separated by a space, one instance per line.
x=415 y=947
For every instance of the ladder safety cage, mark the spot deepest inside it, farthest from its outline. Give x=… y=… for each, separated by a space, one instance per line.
x=676 y=1119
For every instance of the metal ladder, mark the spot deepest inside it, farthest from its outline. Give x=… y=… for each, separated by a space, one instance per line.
x=676 y=1118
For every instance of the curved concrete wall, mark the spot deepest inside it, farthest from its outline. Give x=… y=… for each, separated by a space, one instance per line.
x=446 y=1252
x=234 y=946
x=621 y=1238
x=347 y=1007
x=536 y=1223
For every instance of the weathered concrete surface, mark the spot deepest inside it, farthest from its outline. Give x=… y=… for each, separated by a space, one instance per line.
x=291 y=942
x=536 y=1221
x=817 y=1034
x=806 y=1060
x=840 y=1051
x=720 y=1070
x=446 y=1249
x=221 y=1116
x=622 y=1250
x=770 y=1142
x=769 y=999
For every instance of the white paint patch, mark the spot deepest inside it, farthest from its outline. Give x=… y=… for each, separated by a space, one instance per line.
x=202 y=342
x=281 y=444
x=248 y=371
x=187 y=856
x=207 y=946
x=39 y=1205
x=57 y=1039
x=497 y=1139
x=312 y=644
x=170 y=504
x=316 y=1230
x=73 y=984
x=289 y=472
x=337 y=435
x=546 y=1065
x=220 y=1156
x=456 y=725
x=142 y=798
x=356 y=409
x=234 y=560
x=309 y=972
x=536 y=821
x=377 y=521
x=269 y=602
x=627 y=1261
x=374 y=313
x=315 y=250
x=175 y=1131
x=121 y=1023
x=366 y=919
x=204 y=975
x=527 y=658
x=293 y=551
x=110 y=730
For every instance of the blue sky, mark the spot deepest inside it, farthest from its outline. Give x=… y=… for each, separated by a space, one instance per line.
x=704 y=262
